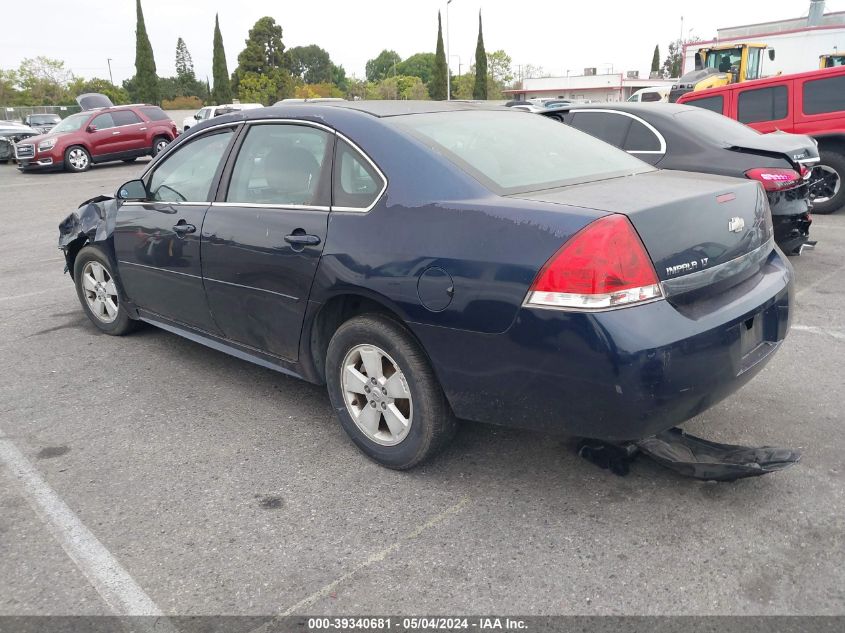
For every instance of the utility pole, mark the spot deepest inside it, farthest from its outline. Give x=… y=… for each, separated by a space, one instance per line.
x=448 y=58
x=111 y=79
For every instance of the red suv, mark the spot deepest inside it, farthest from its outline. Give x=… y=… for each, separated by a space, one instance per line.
x=98 y=136
x=811 y=103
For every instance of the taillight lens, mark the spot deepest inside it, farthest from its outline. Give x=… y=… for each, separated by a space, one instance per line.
x=604 y=265
x=775 y=179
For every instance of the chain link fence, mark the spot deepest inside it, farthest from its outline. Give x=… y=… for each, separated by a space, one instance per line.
x=18 y=113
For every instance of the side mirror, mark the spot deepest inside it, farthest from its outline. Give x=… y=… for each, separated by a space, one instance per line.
x=132 y=190
x=771 y=54
x=91 y=128
x=197 y=116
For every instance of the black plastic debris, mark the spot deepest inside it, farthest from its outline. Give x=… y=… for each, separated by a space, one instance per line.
x=691 y=456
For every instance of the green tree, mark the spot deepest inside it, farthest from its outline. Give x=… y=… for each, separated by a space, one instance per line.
x=382 y=65
x=479 y=91
x=437 y=87
x=673 y=65
x=9 y=93
x=257 y=88
x=117 y=94
x=499 y=67
x=339 y=78
x=44 y=81
x=184 y=62
x=655 y=60
x=146 y=81
x=311 y=64
x=418 y=65
x=264 y=54
x=402 y=87
x=222 y=92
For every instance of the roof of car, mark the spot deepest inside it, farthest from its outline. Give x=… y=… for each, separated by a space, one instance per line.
x=379 y=108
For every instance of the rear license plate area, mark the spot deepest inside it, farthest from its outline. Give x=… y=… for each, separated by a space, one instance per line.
x=751 y=334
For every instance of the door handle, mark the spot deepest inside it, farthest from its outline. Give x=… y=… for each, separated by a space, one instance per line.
x=301 y=239
x=143 y=128
x=115 y=133
x=182 y=229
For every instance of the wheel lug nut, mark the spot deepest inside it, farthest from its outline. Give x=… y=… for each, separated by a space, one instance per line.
x=366 y=390
x=373 y=380
x=373 y=405
x=384 y=391
x=383 y=405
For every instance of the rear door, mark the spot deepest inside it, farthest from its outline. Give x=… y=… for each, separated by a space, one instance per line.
x=157 y=242
x=132 y=137
x=262 y=239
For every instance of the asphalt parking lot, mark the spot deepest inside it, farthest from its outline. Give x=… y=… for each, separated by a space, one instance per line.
x=222 y=487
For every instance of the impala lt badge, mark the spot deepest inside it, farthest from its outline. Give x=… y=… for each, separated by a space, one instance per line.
x=735 y=225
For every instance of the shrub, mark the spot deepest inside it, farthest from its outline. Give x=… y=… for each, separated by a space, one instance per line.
x=182 y=103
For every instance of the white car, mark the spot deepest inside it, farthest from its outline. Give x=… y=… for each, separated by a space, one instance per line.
x=209 y=112
x=651 y=95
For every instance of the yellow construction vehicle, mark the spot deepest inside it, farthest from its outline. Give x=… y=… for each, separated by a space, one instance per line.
x=832 y=59
x=721 y=65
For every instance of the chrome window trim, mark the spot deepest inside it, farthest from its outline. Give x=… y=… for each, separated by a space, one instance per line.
x=372 y=163
x=267 y=205
x=651 y=128
x=693 y=281
x=186 y=203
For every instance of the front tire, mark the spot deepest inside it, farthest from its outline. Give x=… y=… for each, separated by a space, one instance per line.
x=99 y=293
x=830 y=192
x=385 y=393
x=77 y=159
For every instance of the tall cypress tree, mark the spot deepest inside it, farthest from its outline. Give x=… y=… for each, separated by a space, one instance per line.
x=146 y=80
x=437 y=87
x=222 y=92
x=655 y=60
x=479 y=90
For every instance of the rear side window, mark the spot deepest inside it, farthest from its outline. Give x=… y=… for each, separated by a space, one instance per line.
x=356 y=184
x=125 y=117
x=763 y=104
x=651 y=96
x=824 y=95
x=641 y=139
x=154 y=113
x=611 y=128
x=714 y=104
x=280 y=165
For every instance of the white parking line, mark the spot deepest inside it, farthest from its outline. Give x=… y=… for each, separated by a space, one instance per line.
x=829 y=331
x=375 y=558
x=114 y=584
x=32 y=294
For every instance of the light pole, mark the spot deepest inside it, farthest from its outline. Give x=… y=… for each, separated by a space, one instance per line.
x=459 y=62
x=448 y=58
x=111 y=79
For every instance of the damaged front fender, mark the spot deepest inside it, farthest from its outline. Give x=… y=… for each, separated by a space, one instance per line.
x=92 y=223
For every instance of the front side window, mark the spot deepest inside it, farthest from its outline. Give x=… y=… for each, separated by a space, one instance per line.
x=763 y=104
x=187 y=174
x=824 y=95
x=650 y=97
x=725 y=61
x=513 y=152
x=714 y=104
x=281 y=164
x=103 y=122
x=356 y=183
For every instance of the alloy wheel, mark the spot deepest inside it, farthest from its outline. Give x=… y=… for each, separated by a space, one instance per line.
x=160 y=145
x=78 y=158
x=100 y=291
x=376 y=394
x=828 y=184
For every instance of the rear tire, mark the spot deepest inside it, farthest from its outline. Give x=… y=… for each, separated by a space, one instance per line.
x=100 y=293
x=77 y=159
x=385 y=393
x=159 y=143
x=831 y=193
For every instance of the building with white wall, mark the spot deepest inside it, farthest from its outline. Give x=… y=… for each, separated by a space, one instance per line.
x=797 y=42
x=587 y=87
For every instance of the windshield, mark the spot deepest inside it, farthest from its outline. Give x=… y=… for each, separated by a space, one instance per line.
x=725 y=61
x=715 y=127
x=72 y=123
x=511 y=152
x=41 y=119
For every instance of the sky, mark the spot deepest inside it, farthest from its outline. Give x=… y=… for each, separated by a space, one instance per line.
x=560 y=36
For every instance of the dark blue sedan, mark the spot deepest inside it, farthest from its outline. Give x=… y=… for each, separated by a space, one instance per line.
x=433 y=261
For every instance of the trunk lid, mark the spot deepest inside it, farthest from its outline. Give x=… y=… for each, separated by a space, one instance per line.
x=688 y=222
x=796 y=148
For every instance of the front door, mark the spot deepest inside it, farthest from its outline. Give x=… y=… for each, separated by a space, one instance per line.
x=103 y=138
x=157 y=242
x=262 y=241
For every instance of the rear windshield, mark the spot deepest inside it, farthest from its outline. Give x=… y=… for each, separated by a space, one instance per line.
x=154 y=113
x=511 y=152
x=714 y=127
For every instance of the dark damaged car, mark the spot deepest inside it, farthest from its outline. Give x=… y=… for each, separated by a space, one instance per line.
x=432 y=261
x=686 y=138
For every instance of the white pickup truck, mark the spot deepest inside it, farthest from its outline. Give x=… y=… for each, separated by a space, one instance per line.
x=209 y=112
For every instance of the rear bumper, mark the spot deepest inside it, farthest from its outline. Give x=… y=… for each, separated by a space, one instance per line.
x=618 y=375
x=791 y=218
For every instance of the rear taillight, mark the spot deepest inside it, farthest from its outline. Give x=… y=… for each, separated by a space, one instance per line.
x=775 y=179
x=604 y=265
